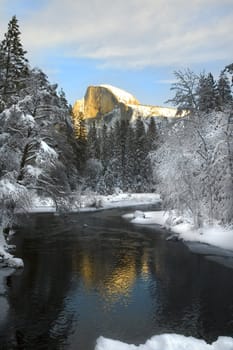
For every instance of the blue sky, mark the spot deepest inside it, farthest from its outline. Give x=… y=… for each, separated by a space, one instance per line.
x=132 y=44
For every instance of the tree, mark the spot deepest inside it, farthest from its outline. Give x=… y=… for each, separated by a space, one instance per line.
x=208 y=97
x=129 y=170
x=152 y=136
x=93 y=144
x=79 y=125
x=185 y=89
x=224 y=90
x=13 y=63
x=142 y=162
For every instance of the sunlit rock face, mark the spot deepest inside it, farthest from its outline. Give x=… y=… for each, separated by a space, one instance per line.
x=104 y=102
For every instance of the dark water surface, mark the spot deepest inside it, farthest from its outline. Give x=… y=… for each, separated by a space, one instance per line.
x=112 y=279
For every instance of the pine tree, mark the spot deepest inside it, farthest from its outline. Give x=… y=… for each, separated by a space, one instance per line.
x=224 y=90
x=13 y=64
x=152 y=136
x=208 y=98
x=129 y=169
x=79 y=125
x=106 y=146
x=93 y=144
x=142 y=168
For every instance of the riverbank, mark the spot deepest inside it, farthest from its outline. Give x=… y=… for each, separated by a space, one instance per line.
x=92 y=202
x=6 y=258
x=215 y=235
x=167 y=342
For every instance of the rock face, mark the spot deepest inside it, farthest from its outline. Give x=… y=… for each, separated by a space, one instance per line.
x=105 y=102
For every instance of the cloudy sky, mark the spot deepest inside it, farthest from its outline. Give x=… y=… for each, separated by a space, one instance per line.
x=132 y=44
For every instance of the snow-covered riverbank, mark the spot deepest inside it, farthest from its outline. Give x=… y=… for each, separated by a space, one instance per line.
x=5 y=257
x=167 y=342
x=92 y=202
x=214 y=235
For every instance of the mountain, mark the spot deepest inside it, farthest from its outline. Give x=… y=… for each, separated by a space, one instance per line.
x=105 y=102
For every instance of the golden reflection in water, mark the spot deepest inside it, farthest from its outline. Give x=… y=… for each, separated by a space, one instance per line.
x=87 y=271
x=112 y=282
x=119 y=283
x=145 y=266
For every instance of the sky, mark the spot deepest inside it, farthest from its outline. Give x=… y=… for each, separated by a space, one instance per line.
x=135 y=45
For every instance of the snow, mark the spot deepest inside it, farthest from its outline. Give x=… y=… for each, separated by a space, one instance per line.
x=46 y=154
x=215 y=234
x=4 y=136
x=93 y=202
x=33 y=171
x=6 y=188
x=42 y=205
x=6 y=257
x=155 y=111
x=127 y=199
x=28 y=120
x=123 y=96
x=167 y=342
x=47 y=149
x=148 y=218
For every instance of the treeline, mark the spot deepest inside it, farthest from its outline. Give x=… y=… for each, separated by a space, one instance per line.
x=201 y=92
x=118 y=157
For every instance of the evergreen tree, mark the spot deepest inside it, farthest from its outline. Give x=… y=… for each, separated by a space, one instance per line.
x=142 y=167
x=208 y=97
x=129 y=169
x=106 y=146
x=224 y=90
x=79 y=125
x=152 y=136
x=13 y=63
x=93 y=144
x=117 y=155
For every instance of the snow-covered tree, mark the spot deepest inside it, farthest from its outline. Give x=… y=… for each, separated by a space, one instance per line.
x=208 y=97
x=152 y=136
x=194 y=161
x=13 y=63
x=185 y=89
x=129 y=170
x=224 y=90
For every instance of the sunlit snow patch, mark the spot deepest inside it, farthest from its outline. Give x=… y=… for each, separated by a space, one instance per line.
x=167 y=342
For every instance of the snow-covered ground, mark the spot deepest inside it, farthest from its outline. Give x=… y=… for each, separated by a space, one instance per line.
x=215 y=235
x=167 y=342
x=93 y=202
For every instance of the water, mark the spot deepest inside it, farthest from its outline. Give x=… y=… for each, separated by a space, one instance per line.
x=109 y=278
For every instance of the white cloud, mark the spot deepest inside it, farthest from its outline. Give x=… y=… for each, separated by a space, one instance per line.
x=134 y=33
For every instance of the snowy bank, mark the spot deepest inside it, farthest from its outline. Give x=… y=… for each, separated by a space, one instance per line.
x=167 y=342
x=5 y=257
x=215 y=235
x=91 y=202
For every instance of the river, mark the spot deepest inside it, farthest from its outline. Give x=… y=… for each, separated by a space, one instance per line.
x=95 y=274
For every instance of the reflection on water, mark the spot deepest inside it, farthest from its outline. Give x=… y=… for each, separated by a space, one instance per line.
x=112 y=279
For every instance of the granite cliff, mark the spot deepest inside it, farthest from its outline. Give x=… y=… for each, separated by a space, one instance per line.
x=105 y=102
